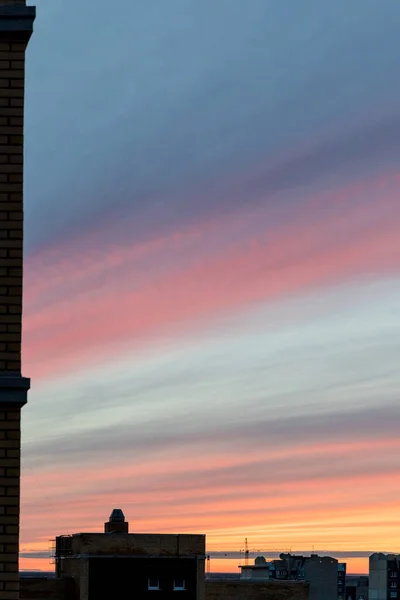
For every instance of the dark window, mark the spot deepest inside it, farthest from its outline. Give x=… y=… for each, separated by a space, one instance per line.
x=153 y=584
x=179 y=585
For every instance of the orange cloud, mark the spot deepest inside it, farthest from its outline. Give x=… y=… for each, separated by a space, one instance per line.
x=341 y=510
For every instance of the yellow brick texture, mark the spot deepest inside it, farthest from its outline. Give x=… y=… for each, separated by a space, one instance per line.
x=12 y=73
x=9 y=502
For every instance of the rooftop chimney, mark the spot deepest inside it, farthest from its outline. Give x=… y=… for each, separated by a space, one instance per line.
x=16 y=25
x=116 y=523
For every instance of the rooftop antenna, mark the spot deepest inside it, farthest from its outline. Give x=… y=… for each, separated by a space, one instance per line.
x=246 y=552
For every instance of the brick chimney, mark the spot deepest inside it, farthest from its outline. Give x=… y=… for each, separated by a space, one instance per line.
x=16 y=25
x=116 y=523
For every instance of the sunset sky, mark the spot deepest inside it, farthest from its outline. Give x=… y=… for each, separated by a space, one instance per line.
x=212 y=280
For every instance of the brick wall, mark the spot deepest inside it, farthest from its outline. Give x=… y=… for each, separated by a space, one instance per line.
x=139 y=544
x=11 y=205
x=249 y=590
x=15 y=28
x=40 y=588
x=63 y=589
x=9 y=501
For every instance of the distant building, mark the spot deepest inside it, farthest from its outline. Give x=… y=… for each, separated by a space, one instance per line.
x=357 y=588
x=259 y=571
x=341 y=581
x=325 y=577
x=288 y=567
x=321 y=573
x=106 y=565
x=384 y=576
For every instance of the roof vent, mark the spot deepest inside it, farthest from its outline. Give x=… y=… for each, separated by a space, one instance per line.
x=116 y=523
x=117 y=516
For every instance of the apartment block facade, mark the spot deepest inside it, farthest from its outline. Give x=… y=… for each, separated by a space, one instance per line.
x=384 y=576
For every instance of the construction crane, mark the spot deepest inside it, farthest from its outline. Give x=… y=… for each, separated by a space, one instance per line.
x=246 y=553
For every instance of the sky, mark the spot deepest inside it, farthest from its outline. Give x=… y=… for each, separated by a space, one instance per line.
x=211 y=314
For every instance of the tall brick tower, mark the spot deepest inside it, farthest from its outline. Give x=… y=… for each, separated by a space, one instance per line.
x=16 y=25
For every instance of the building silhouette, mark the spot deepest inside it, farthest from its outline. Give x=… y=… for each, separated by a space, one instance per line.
x=384 y=576
x=16 y=25
x=325 y=576
x=105 y=565
x=357 y=588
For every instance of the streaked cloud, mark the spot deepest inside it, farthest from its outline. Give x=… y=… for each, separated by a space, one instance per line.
x=212 y=272
x=214 y=426
x=222 y=265
x=171 y=104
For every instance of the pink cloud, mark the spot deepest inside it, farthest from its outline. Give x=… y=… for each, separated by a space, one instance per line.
x=134 y=299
